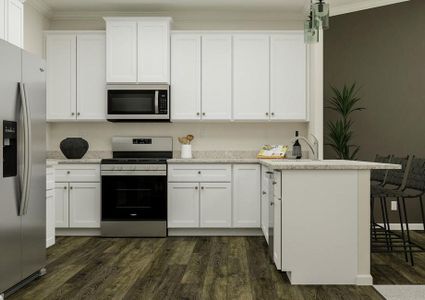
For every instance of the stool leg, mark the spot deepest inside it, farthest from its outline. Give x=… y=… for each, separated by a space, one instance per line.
x=402 y=229
x=422 y=210
x=372 y=217
x=385 y=224
x=388 y=223
x=408 y=232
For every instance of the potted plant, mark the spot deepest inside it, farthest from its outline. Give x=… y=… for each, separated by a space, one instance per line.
x=344 y=102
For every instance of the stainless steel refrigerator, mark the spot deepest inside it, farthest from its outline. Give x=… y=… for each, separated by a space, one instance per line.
x=22 y=167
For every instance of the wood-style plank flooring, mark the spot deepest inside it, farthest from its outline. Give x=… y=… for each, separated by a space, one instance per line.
x=190 y=268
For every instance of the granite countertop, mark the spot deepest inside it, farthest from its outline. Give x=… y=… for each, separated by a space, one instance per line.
x=223 y=160
x=73 y=161
x=284 y=164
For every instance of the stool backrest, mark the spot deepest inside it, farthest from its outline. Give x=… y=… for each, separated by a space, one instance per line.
x=379 y=175
x=398 y=177
x=416 y=178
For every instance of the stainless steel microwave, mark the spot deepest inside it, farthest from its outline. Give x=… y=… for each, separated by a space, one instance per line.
x=138 y=103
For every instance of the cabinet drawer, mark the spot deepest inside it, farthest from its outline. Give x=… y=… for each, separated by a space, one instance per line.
x=199 y=173
x=78 y=173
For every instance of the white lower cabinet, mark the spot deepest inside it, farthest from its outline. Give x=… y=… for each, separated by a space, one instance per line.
x=77 y=192
x=61 y=205
x=84 y=205
x=216 y=205
x=277 y=219
x=246 y=196
x=265 y=191
x=183 y=205
x=209 y=196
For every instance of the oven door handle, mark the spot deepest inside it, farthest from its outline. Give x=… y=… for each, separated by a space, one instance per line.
x=133 y=173
x=156 y=102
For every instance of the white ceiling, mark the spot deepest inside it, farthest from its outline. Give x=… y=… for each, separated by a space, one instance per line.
x=293 y=7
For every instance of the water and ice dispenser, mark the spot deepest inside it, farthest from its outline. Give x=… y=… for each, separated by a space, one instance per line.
x=10 y=149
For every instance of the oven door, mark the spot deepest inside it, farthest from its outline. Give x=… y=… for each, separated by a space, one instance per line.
x=137 y=102
x=127 y=198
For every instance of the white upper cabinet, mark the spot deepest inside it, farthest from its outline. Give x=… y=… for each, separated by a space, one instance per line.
x=3 y=19
x=138 y=50
x=154 y=51
x=288 y=70
x=251 y=77
x=186 y=77
x=91 y=98
x=75 y=76
x=216 y=77
x=12 y=22
x=121 y=51
x=61 y=54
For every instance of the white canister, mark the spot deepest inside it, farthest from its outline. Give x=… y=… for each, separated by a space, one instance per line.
x=186 y=151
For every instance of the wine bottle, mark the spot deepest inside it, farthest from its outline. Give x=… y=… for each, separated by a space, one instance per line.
x=296 y=148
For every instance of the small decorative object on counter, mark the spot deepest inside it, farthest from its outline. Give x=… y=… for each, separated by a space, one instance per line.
x=272 y=152
x=186 y=146
x=74 y=147
x=296 y=148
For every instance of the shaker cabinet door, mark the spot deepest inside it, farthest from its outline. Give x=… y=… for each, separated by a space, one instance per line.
x=183 y=205
x=84 y=205
x=61 y=205
x=61 y=76
x=216 y=205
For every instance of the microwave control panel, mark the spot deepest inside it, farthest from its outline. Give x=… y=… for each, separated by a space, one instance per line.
x=163 y=102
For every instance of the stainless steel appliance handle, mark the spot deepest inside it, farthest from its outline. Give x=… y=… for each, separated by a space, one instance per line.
x=24 y=177
x=29 y=150
x=133 y=173
x=156 y=102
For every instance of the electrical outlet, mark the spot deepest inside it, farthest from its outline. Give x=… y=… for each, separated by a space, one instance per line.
x=393 y=205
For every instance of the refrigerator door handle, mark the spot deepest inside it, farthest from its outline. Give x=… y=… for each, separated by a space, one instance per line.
x=26 y=153
x=29 y=151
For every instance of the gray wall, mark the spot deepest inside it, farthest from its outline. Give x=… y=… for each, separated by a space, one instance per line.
x=383 y=50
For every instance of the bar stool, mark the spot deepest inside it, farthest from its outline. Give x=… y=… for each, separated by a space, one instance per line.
x=394 y=181
x=414 y=188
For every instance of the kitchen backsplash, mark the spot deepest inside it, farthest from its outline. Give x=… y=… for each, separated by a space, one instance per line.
x=208 y=136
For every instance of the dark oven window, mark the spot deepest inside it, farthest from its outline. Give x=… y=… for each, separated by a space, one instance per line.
x=134 y=198
x=135 y=102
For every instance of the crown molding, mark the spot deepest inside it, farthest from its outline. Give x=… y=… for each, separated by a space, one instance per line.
x=336 y=10
x=40 y=6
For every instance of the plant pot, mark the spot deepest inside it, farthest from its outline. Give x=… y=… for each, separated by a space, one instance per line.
x=74 y=148
x=186 y=151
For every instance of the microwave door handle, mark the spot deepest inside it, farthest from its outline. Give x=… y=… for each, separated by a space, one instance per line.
x=156 y=102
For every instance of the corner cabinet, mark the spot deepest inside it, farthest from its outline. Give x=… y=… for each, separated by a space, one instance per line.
x=246 y=196
x=244 y=76
x=75 y=76
x=12 y=22
x=137 y=50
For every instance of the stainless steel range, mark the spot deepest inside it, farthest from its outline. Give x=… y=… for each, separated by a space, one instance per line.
x=134 y=187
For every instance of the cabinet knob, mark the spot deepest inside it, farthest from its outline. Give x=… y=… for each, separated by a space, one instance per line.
x=64 y=187
x=68 y=172
x=196 y=187
x=203 y=114
x=272 y=113
x=264 y=193
x=267 y=113
x=72 y=114
x=199 y=172
x=202 y=187
x=70 y=187
x=274 y=182
x=271 y=203
x=78 y=114
x=197 y=114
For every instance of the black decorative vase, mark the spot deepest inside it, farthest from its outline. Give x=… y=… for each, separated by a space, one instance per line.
x=74 y=148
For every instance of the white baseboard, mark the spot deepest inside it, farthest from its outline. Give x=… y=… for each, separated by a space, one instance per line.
x=364 y=280
x=215 y=232
x=412 y=226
